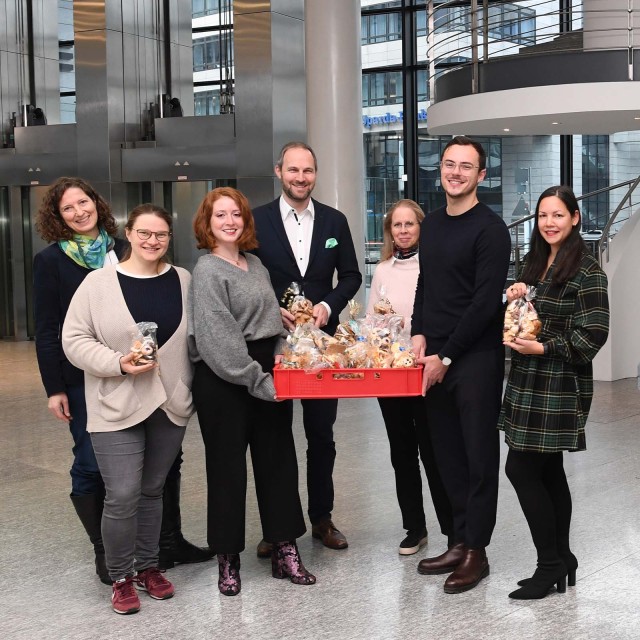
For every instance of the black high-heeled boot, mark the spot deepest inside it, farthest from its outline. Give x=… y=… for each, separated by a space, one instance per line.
x=229 y=582
x=570 y=561
x=539 y=585
x=564 y=550
x=286 y=563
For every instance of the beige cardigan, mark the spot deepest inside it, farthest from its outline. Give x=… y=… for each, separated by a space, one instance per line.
x=97 y=333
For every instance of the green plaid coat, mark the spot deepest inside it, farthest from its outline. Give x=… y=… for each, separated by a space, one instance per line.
x=547 y=398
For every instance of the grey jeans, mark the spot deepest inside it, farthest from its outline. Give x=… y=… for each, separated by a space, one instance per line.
x=134 y=463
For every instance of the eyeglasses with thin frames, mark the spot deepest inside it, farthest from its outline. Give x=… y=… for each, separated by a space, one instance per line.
x=464 y=167
x=403 y=225
x=161 y=236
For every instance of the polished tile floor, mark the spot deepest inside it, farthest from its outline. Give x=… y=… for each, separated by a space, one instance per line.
x=48 y=588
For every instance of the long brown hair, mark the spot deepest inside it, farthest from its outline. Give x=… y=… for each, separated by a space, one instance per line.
x=387 y=238
x=567 y=262
x=49 y=222
x=202 y=220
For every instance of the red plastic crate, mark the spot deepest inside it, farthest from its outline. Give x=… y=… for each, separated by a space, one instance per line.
x=347 y=383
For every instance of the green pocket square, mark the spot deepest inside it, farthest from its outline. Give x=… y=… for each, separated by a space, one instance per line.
x=330 y=243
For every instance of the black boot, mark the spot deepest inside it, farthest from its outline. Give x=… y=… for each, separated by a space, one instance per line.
x=547 y=575
x=570 y=561
x=568 y=558
x=174 y=549
x=89 y=510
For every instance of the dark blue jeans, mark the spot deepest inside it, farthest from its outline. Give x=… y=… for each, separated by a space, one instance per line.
x=85 y=474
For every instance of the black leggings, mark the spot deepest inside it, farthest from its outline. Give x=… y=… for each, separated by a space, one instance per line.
x=541 y=485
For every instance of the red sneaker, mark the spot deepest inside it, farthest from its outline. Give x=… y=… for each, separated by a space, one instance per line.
x=154 y=583
x=124 y=598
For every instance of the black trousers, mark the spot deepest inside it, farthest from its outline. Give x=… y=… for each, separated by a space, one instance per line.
x=463 y=413
x=409 y=442
x=230 y=420
x=319 y=416
x=543 y=492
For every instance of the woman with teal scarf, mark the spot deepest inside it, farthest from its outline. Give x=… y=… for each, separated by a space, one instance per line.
x=78 y=222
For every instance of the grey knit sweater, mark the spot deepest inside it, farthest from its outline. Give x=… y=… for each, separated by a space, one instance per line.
x=227 y=308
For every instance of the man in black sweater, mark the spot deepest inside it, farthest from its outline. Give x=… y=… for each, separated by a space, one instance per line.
x=457 y=334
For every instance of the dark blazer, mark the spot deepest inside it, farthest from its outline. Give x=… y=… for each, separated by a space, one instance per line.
x=324 y=260
x=55 y=279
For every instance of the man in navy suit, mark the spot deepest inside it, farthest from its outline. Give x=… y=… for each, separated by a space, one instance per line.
x=305 y=241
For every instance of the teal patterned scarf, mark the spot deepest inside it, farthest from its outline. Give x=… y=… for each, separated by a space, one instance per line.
x=86 y=251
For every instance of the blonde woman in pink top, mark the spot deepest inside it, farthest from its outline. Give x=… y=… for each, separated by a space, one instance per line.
x=405 y=419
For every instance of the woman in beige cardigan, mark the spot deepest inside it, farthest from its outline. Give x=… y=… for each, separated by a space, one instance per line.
x=136 y=413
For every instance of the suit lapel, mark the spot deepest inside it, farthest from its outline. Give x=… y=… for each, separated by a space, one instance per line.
x=319 y=222
x=275 y=219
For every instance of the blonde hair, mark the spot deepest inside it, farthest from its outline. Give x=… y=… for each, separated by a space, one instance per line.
x=387 y=244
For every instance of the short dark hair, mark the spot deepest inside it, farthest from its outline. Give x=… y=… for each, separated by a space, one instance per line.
x=296 y=145
x=570 y=254
x=49 y=222
x=463 y=141
x=202 y=220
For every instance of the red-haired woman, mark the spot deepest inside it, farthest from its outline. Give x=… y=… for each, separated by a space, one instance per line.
x=236 y=331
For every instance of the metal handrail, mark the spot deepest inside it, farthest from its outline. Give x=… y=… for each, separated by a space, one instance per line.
x=605 y=232
x=603 y=242
x=597 y=192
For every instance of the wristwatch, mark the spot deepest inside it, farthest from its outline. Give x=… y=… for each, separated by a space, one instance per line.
x=445 y=361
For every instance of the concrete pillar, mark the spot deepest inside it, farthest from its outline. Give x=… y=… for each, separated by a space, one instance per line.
x=334 y=109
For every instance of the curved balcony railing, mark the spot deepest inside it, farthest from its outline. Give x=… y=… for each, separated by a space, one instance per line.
x=471 y=32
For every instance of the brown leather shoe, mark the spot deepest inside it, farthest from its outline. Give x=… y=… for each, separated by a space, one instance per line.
x=264 y=549
x=330 y=536
x=445 y=562
x=469 y=572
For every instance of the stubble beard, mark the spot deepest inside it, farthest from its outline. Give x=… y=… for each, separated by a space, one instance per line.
x=292 y=196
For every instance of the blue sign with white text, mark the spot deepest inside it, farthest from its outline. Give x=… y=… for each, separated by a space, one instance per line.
x=390 y=118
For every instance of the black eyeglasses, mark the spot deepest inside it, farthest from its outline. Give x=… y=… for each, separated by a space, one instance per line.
x=161 y=236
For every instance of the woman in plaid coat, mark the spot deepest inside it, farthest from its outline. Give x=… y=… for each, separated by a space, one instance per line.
x=550 y=387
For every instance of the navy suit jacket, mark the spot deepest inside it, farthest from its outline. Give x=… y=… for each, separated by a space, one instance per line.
x=324 y=260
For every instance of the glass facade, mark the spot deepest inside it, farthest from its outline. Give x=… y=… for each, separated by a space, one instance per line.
x=213 y=72
x=203 y=8
x=211 y=51
x=207 y=103
x=595 y=176
x=395 y=82
x=379 y=88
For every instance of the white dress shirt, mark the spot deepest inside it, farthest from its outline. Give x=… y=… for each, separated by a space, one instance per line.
x=299 y=229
